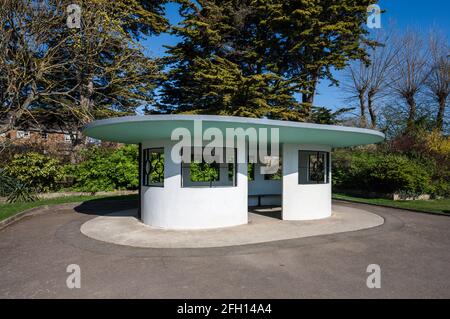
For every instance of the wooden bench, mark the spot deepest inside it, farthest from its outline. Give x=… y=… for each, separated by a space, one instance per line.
x=263 y=195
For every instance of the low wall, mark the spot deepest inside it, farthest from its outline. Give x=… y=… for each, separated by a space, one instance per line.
x=391 y=196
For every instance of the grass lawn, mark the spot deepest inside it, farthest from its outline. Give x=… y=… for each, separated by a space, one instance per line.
x=7 y=210
x=433 y=206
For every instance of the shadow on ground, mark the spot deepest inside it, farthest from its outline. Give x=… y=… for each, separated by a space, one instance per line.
x=267 y=211
x=119 y=206
x=108 y=205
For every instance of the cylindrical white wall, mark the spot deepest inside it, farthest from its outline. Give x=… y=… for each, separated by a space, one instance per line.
x=303 y=202
x=176 y=207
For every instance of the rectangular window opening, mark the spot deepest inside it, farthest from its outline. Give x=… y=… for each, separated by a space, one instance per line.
x=313 y=167
x=203 y=174
x=153 y=167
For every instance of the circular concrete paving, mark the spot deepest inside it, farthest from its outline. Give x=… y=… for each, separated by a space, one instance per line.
x=265 y=225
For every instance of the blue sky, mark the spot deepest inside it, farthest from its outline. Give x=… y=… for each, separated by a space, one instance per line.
x=400 y=14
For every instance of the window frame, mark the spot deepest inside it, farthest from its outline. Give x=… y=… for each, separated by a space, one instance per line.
x=187 y=166
x=326 y=169
x=146 y=176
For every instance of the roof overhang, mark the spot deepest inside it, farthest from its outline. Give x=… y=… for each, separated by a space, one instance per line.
x=137 y=129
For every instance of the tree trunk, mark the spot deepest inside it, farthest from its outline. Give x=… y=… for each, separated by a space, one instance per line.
x=441 y=112
x=412 y=111
x=373 y=115
x=86 y=107
x=308 y=98
x=362 y=107
x=307 y=101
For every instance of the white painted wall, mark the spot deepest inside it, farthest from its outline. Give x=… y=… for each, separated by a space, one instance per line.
x=174 y=207
x=303 y=202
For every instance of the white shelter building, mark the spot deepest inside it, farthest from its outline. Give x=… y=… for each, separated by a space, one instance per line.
x=176 y=193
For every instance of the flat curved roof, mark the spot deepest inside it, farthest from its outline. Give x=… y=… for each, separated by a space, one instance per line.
x=140 y=128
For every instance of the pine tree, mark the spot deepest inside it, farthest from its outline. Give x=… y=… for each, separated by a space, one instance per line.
x=252 y=57
x=220 y=67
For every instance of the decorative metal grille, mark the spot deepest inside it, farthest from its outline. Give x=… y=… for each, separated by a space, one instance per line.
x=314 y=167
x=153 y=167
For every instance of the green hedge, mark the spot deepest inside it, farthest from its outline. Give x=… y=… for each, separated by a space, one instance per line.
x=98 y=170
x=39 y=172
x=105 y=170
x=382 y=173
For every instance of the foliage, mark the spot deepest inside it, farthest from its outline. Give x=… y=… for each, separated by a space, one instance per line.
x=105 y=170
x=428 y=147
x=35 y=170
x=14 y=190
x=377 y=172
x=438 y=144
x=21 y=193
x=69 y=76
x=204 y=172
x=322 y=115
x=253 y=57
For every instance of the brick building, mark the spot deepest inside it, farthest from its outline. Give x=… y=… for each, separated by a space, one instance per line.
x=48 y=140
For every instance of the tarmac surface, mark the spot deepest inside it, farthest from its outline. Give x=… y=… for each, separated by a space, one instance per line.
x=412 y=250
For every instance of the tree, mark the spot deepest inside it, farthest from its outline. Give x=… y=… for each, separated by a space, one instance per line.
x=410 y=72
x=252 y=57
x=323 y=115
x=110 y=74
x=438 y=80
x=49 y=72
x=219 y=66
x=369 y=82
x=356 y=86
x=26 y=61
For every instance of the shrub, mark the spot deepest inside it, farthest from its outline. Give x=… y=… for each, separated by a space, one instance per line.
x=383 y=173
x=35 y=170
x=438 y=145
x=442 y=188
x=395 y=173
x=105 y=170
x=14 y=190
